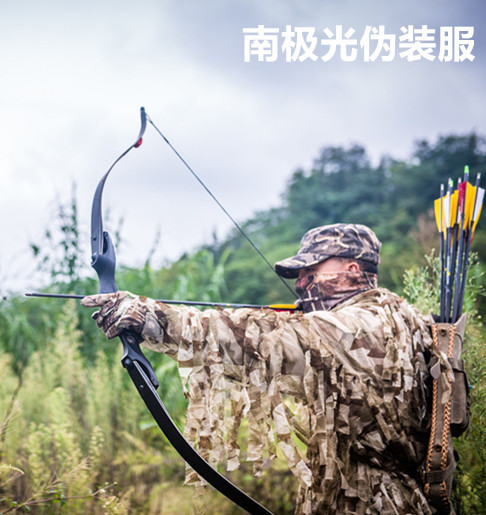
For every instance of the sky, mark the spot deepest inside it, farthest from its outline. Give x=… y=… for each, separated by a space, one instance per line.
x=75 y=74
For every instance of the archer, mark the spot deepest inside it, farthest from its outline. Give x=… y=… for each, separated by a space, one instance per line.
x=356 y=356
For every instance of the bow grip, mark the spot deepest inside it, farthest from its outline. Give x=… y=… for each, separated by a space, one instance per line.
x=105 y=264
x=132 y=352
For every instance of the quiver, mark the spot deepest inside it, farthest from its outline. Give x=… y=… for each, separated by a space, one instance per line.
x=450 y=412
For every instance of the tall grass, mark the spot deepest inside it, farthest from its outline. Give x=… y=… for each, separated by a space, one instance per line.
x=76 y=437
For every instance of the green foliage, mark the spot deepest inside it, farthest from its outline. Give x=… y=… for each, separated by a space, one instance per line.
x=46 y=433
x=422 y=286
x=76 y=434
x=471 y=476
x=22 y=328
x=199 y=277
x=342 y=186
x=60 y=253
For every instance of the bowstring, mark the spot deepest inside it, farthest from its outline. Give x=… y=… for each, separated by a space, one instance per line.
x=225 y=211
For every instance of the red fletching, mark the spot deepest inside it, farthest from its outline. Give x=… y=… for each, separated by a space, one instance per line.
x=462 y=195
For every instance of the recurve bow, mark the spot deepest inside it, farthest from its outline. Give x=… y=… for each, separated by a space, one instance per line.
x=140 y=370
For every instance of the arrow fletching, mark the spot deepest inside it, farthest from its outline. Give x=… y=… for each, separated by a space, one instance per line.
x=456 y=215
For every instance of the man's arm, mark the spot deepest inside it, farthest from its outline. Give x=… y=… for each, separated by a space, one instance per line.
x=261 y=351
x=234 y=338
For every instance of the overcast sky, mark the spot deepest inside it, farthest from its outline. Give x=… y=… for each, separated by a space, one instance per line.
x=75 y=74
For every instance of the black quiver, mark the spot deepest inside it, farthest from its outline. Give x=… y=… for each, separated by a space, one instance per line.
x=450 y=413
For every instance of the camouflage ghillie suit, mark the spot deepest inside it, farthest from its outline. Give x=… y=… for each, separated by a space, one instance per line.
x=355 y=361
x=360 y=370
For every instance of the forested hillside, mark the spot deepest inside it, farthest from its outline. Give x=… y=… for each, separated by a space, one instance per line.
x=75 y=437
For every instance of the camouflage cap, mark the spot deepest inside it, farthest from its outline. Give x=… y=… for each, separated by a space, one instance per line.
x=338 y=240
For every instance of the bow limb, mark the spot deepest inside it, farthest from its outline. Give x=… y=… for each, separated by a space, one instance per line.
x=103 y=260
x=99 y=243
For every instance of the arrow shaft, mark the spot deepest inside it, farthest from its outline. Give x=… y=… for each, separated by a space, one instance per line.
x=276 y=307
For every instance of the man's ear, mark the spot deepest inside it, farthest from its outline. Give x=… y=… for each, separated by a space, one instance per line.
x=352 y=266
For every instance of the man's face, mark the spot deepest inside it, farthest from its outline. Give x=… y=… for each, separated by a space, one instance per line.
x=322 y=272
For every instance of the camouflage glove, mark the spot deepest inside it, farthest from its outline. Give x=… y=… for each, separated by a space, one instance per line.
x=123 y=310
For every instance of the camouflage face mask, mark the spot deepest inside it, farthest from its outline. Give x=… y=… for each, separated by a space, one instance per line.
x=325 y=290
